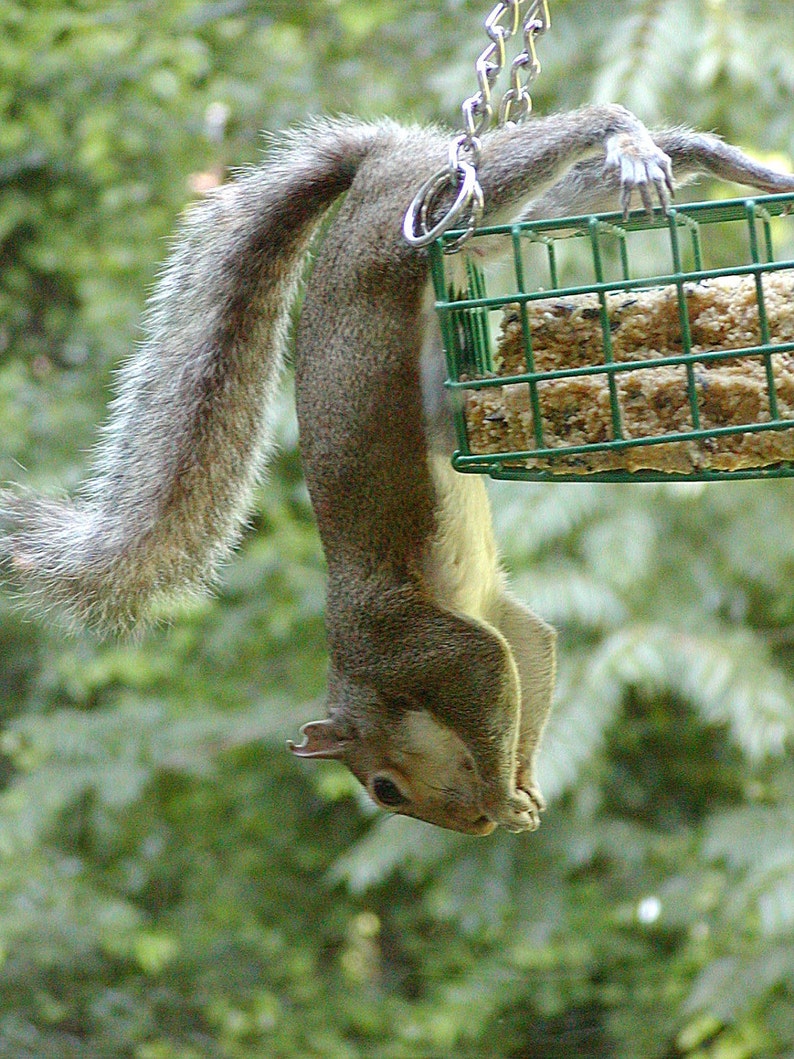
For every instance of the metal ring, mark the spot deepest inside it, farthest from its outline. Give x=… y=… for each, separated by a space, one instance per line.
x=476 y=211
x=469 y=192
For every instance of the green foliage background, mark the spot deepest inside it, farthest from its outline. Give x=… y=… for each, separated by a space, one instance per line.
x=172 y=884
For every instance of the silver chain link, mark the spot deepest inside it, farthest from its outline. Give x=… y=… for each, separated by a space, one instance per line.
x=460 y=174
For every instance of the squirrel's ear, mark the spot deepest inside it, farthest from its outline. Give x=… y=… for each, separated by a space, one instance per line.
x=319 y=740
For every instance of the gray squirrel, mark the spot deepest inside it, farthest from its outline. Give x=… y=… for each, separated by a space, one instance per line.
x=440 y=681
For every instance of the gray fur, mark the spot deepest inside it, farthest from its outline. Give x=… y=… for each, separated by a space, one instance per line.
x=189 y=430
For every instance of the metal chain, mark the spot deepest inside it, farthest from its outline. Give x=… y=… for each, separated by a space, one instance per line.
x=460 y=174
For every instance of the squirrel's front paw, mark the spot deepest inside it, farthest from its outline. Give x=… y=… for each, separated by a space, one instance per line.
x=525 y=781
x=641 y=165
x=518 y=811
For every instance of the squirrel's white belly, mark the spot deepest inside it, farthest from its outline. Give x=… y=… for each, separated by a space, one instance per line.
x=462 y=564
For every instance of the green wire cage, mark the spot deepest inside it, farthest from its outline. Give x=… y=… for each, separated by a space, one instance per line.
x=627 y=350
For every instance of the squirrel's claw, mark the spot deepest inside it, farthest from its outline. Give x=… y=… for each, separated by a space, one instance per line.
x=516 y=812
x=641 y=166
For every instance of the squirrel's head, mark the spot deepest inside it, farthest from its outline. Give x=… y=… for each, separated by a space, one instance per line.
x=408 y=763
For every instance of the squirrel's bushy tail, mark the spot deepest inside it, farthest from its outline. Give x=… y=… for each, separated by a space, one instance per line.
x=190 y=425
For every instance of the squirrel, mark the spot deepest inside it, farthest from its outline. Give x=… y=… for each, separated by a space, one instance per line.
x=440 y=682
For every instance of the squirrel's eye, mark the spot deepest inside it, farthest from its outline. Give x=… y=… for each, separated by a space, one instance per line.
x=387 y=792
